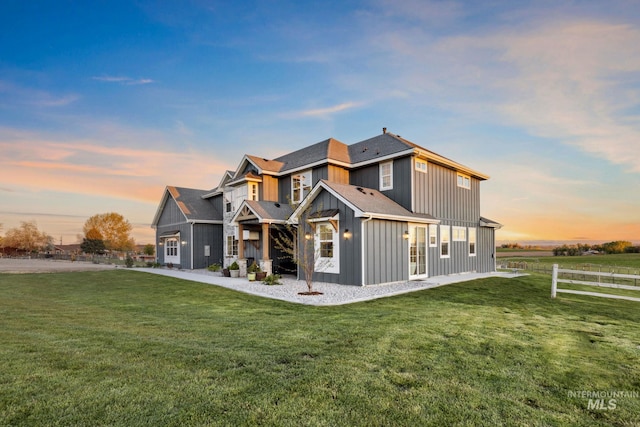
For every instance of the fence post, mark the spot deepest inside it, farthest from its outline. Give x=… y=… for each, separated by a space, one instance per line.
x=554 y=281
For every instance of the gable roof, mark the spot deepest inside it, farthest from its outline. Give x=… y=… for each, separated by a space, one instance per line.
x=265 y=211
x=191 y=204
x=365 y=202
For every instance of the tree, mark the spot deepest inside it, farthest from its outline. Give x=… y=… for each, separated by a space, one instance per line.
x=92 y=246
x=112 y=228
x=149 y=249
x=27 y=237
x=299 y=244
x=617 y=247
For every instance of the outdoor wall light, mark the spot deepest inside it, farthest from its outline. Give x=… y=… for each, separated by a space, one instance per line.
x=161 y=243
x=347 y=234
x=307 y=236
x=405 y=235
x=184 y=242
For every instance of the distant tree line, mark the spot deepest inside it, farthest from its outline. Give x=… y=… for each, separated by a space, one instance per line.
x=617 y=247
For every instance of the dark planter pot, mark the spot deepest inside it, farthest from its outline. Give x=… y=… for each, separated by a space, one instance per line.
x=225 y=272
x=261 y=276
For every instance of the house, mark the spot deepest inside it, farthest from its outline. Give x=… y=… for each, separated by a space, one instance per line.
x=382 y=210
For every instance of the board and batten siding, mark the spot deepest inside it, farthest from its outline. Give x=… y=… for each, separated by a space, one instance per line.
x=203 y=235
x=459 y=260
x=386 y=252
x=437 y=193
x=369 y=177
x=486 y=250
x=349 y=249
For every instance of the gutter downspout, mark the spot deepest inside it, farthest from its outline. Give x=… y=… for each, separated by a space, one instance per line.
x=363 y=263
x=191 y=239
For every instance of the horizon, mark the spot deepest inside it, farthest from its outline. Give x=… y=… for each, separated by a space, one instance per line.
x=104 y=105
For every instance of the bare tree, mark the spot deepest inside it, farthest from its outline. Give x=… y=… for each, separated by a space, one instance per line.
x=299 y=244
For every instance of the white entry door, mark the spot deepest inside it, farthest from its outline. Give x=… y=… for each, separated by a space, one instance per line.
x=417 y=252
x=171 y=251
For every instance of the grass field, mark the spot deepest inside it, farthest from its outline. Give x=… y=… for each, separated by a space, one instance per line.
x=124 y=348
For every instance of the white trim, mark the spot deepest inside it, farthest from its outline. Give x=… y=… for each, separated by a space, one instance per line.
x=448 y=241
x=381 y=177
x=466 y=179
x=475 y=241
x=327 y=264
x=434 y=228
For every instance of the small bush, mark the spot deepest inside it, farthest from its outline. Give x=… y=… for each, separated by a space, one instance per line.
x=128 y=262
x=272 y=279
x=214 y=267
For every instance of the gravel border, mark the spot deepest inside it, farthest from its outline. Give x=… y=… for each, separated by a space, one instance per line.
x=332 y=294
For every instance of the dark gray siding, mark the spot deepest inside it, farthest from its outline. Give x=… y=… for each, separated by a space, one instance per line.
x=207 y=234
x=369 y=177
x=486 y=250
x=349 y=250
x=437 y=193
x=185 y=233
x=386 y=252
x=171 y=214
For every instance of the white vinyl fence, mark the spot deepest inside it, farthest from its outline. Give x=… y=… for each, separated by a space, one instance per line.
x=599 y=276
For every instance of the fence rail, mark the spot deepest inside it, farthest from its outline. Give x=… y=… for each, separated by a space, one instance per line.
x=598 y=274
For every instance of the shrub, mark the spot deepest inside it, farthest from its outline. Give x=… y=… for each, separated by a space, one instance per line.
x=272 y=279
x=128 y=262
x=253 y=268
x=214 y=267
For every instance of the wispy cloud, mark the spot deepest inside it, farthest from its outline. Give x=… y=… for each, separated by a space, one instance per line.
x=123 y=80
x=38 y=162
x=326 y=111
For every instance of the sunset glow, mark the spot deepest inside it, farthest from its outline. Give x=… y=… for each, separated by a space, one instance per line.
x=103 y=105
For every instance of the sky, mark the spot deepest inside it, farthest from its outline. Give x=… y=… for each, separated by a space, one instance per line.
x=103 y=104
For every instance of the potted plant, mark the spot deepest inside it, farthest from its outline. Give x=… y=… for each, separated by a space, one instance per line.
x=252 y=271
x=234 y=269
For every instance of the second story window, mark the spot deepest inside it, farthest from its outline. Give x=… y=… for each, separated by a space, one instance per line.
x=253 y=191
x=464 y=181
x=386 y=176
x=421 y=166
x=300 y=186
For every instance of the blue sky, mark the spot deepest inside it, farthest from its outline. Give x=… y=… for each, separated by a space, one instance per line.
x=103 y=104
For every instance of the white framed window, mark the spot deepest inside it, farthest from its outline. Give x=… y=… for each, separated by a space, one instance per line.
x=232 y=246
x=433 y=235
x=459 y=234
x=386 y=176
x=252 y=191
x=472 y=242
x=464 y=181
x=171 y=247
x=445 y=241
x=300 y=186
x=421 y=165
x=326 y=248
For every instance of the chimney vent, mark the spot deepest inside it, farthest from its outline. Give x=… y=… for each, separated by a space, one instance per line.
x=384 y=130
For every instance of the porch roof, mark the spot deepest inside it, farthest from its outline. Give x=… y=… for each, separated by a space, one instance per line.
x=264 y=211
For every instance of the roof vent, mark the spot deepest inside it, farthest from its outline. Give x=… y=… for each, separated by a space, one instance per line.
x=277 y=205
x=364 y=149
x=360 y=189
x=384 y=130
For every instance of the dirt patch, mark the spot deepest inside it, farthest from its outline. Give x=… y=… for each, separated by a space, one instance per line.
x=17 y=266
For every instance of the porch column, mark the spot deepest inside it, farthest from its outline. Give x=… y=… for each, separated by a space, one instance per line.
x=265 y=263
x=240 y=242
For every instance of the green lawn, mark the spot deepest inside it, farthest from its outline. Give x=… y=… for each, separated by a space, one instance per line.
x=630 y=261
x=125 y=348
